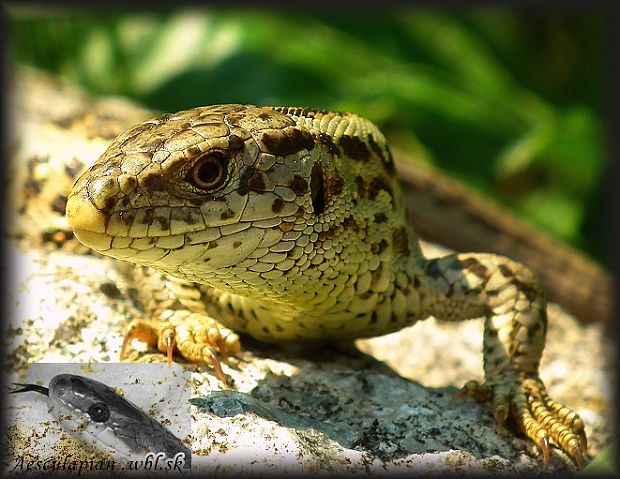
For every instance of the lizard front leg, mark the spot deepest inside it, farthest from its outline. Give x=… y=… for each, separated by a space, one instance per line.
x=463 y=286
x=177 y=320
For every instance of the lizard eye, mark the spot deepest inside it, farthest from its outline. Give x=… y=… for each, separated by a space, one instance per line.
x=209 y=172
x=99 y=412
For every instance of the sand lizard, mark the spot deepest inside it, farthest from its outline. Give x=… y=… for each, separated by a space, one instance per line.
x=289 y=224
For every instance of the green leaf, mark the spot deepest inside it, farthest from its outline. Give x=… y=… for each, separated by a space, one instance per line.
x=604 y=462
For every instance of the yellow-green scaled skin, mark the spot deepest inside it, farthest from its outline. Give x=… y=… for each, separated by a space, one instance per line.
x=288 y=224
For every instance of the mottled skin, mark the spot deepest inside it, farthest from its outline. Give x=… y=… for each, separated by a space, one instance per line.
x=289 y=224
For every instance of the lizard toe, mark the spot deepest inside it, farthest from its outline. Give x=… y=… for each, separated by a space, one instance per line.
x=195 y=337
x=546 y=421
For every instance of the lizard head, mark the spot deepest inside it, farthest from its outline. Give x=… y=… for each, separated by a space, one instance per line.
x=237 y=194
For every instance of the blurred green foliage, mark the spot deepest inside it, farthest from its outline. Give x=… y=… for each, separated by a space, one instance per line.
x=603 y=463
x=509 y=101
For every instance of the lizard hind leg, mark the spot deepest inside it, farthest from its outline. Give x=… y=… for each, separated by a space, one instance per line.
x=509 y=296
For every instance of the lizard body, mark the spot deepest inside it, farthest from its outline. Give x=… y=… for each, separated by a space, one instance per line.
x=289 y=224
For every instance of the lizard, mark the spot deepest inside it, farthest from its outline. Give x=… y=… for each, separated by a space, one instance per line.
x=289 y=224
x=437 y=204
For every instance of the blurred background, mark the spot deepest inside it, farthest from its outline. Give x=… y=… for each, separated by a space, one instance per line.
x=512 y=102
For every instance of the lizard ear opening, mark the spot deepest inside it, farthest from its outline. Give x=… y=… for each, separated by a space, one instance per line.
x=317 y=189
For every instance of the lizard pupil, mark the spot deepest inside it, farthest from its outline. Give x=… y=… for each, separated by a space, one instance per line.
x=209 y=172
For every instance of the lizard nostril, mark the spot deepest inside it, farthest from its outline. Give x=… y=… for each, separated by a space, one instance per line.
x=109 y=204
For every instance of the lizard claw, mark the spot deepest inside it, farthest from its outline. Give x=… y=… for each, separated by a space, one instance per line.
x=144 y=334
x=543 y=420
x=579 y=460
x=219 y=372
x=170 y=344
x=584 y=442
x=193 y=341
x=546 y=451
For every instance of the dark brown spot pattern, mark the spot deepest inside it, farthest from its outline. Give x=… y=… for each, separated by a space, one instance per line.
x=386 y=157
x=163 y=222
x=361 y=186
x=109 y=204
x=251 y=179
x=379 y=247
x=287 y=141
x=327 y=141
x=472 y=265
x=505 y=271
x=380 y=218
x=400 y=242
x=154 y=182
x=350 y=224
x=334 y=184
x=257 y=182
x=388 y=162
x=354 y=148
x=127 y=217
x=377 y=184
x=299 y=185
x=227 y=214
x=530 y=293
x=235 y=143
x=277 y=205
x=302 y=112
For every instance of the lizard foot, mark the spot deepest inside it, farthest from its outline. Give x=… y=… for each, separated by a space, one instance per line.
x=544 y=421
x=196 y=337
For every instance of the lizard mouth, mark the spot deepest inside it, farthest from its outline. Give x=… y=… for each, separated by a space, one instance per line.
x=93 y=239
x=88 y=223
x=158 y=248
x=146 y=251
